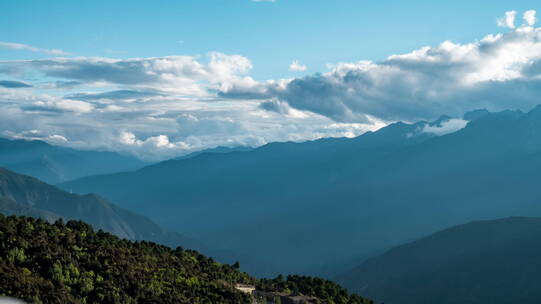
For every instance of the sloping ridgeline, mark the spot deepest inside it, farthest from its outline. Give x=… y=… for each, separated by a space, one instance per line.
x=25 y=195
x=70 y=263
x=481 y=262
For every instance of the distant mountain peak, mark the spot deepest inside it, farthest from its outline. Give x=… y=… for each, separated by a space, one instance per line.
x=55 y=164
x=475 y=114
x=536 y=111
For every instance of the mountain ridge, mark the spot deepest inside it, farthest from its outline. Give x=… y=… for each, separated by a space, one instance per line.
x=372 y=192
x=55 y=164
x=25 y=195
x=487 y=261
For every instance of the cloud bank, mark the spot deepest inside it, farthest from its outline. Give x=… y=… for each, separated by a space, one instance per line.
x=497 y=72
x=184 y=75
x=163 y=107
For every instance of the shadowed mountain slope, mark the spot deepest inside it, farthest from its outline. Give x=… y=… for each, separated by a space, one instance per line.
x=481 y=262
x=24 y=195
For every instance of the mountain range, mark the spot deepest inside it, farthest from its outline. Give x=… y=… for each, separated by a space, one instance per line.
x=354 y=209
x=321 y=202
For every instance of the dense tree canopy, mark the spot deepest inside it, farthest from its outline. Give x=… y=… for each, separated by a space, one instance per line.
x=71 y=263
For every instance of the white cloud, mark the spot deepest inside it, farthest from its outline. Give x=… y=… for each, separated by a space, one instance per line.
x=529 y=17
x=283 y=108
x=186 y=75
x=508 y=20
x=26 y=47
x=446 y=127
x=58 y=105
x=498 y=72
x=159 y=141
x=37 y=135
x=296 y=66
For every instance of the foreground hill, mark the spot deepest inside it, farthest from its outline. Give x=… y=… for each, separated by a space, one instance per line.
x=320 y=202
x=57 y=263
x=24 y=195
x=481 y=262
x=55 y=164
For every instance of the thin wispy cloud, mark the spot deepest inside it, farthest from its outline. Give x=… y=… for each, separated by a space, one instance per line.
x=13 y=84
x=26 y=47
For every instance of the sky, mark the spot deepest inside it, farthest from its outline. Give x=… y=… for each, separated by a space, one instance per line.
x=158 y=79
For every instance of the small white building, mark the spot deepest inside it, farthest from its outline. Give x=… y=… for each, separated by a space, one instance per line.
x=248 y=289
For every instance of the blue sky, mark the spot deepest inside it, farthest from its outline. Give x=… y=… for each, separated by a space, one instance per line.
x=159 y=79
x=271 y=34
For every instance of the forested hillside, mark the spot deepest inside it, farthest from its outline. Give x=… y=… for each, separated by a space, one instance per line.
x=25 y=195
x=71 y=263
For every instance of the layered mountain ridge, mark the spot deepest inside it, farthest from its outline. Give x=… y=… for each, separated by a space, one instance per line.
x=54 y=164
x=321 y=202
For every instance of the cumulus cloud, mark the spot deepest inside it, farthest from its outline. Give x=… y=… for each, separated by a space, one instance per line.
x=498 y=72
x=296 y=66
x=529 y=17
x=508 y=20
x=26 y=47
x=445 y=127
x=153 y=143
